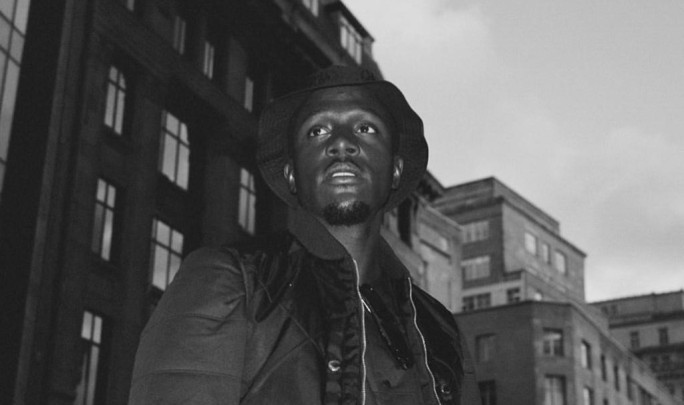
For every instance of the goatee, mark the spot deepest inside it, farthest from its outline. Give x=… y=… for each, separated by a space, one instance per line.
x=346 y=214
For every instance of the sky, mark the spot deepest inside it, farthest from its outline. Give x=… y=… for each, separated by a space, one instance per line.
x=576 y=105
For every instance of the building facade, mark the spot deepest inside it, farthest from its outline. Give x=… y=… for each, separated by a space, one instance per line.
x=427 y=242
x=652 y=327
x=553 y=353
x=511 y=250
x=127 y=135
x=534 y=338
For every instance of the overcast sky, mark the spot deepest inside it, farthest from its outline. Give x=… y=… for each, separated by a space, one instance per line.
x=576 y=105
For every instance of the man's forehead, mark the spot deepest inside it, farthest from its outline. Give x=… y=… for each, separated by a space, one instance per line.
x=340 y=98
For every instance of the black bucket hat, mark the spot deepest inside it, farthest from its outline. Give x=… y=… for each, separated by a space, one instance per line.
x=275 y=125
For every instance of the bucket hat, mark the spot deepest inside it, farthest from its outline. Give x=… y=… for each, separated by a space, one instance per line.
x=275 y=125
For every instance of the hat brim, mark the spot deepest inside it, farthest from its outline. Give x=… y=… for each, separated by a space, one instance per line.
x=274 y=125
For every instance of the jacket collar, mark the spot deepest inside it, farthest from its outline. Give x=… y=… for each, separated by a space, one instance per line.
x=318 y=241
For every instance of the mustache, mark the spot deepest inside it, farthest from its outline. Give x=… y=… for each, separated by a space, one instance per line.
x=347 y=163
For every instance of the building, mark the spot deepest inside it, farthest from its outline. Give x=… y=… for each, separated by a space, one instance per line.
x=553 y=353
x=127 y=135
x=652 y=326
x=534 y=338
x=427 y=242
x=511 y=250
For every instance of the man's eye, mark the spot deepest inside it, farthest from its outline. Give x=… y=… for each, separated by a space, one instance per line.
x=366 y=129
x=318 y=131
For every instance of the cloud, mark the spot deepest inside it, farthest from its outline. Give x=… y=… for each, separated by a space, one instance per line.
x=572 y=135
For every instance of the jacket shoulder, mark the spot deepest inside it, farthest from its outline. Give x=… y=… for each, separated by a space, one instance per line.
x=208 y=283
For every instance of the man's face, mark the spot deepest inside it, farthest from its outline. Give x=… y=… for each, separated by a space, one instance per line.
x=342 y=167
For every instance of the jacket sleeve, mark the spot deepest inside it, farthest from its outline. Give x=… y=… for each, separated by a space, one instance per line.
x=192 y=349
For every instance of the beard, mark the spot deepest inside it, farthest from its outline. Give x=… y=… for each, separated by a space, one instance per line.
x=346 y=214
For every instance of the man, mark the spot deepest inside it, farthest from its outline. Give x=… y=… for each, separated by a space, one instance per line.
x=323 y=313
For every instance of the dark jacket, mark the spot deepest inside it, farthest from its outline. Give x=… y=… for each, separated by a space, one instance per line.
x=281 y=321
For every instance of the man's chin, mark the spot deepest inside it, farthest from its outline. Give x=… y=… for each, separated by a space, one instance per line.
x=346 y=214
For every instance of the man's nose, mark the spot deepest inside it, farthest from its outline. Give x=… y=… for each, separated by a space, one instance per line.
x=343 y=142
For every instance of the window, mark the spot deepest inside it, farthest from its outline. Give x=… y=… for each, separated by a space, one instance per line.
x=545 y=253
x=663 y=337
x=179 y=29
x=531 y=243
x=484 y=347
x=487 y=392
x=587 y=396
x=560 y=262
x=585 y=354
x=513 y=295
x=130 y=4
x=350 y=39
x=209 y=59
x=312 y=5
x=475 y=231
x=249 y=94
x=116 y=101
x=246 y=216
x=103 y=223
x=483 y=301
x=665 y=359
x=630 y=388
x=174 y=162
x=468 y=303
x=553 y=342
x=476 y=302
x=88 y=390
x=167 y=249
x=476 y=268
x=634 y=340
x=11 y=47
x=616 y=376
x=554 y=390
x=604 y=368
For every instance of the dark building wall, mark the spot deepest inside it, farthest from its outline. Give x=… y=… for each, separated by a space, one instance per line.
x=512 y=366
x=519 y=365
x=52 y=275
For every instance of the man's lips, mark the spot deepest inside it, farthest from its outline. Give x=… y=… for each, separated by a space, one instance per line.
x=342 y=170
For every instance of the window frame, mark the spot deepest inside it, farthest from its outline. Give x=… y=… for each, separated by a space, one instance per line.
x=513 y=295
x=485 y=347
x=553 y=342
x=560 y=257
x=169 y=249
x=209 y=59
x=116 y=111
x=634 y=339
x=105 y=229
x=476 y=268
x=555 y=386
x=179 y=35
x=475 y=231
x=90 y=388
x=531 y=242
x=663 y=336
x=174 y=145
x=585 y=355
x=247 y=201
x=587 y=396
x=487 y=390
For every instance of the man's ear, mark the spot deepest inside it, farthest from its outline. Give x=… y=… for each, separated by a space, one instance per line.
x=288 y=173
x=397 y=169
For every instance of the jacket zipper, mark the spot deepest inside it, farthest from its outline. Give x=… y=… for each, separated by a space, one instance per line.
x=422 y=341
x=363 y=334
